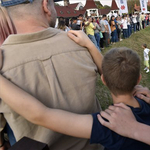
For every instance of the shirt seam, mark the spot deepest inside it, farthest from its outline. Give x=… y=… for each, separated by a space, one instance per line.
x=36 y=58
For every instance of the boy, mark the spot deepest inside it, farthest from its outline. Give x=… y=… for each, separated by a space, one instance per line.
x=121 y=72
x=146 y=57
x=74 y=25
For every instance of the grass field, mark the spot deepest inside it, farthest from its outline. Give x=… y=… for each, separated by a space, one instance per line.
x=135 y=42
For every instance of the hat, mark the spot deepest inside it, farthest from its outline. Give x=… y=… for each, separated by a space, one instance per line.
x=7 y=3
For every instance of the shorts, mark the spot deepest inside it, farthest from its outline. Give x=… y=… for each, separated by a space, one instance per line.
x=146 y=63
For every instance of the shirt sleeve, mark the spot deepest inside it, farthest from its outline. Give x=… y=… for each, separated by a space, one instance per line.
x=98 y=27
x=91 y=24
x=146 y=51
x=102 y=135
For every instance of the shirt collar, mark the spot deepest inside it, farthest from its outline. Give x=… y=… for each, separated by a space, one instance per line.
x=31 y=37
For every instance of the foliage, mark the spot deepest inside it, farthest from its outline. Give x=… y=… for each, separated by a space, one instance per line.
x=148 y=8
x=106 y=7
x=98 y=4
x=131 y=4
x=57 y=4
x=135 y=42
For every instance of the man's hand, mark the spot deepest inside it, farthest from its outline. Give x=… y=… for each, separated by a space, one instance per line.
x=121 y=119
x=143 y=93
x=80 y=38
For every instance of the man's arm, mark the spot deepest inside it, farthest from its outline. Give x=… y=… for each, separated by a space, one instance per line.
x=0 y=58
x=122 y=121
x=94 y=26
x=34 y=111
x=82 y=39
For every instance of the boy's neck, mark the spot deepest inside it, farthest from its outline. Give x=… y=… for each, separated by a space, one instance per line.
x=127 y=99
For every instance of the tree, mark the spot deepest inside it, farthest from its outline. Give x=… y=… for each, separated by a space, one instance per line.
x=106 y=7
x=98 y=4
x=131 y=4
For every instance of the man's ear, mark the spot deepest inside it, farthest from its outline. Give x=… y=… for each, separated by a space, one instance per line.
x=102 y=78
x=140 y=77
x=45 y=4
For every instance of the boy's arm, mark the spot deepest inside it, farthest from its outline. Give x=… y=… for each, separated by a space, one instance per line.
x=34 y=111
x=82 y=39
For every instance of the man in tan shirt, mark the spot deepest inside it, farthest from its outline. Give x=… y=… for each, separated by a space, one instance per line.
x=47 y=64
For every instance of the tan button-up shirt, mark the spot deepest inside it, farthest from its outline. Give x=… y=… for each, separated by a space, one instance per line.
x=56 y=71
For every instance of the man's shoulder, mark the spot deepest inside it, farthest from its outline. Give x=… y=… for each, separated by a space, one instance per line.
x=38 y=49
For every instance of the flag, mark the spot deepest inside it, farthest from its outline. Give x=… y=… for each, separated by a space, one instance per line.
x=123 y=7
x=143 y=6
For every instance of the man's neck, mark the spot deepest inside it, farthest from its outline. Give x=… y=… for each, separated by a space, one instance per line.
x=30 y=26
x=127 y=99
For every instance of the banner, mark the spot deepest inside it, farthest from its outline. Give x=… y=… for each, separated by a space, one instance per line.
x=123 y=7
x=143 y=6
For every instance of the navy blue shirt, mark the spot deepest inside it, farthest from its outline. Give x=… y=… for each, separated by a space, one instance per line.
x=113 y=141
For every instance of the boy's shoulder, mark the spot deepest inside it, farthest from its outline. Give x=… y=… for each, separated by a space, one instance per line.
x=111 y=140
x=147 y=49
x=143 y=112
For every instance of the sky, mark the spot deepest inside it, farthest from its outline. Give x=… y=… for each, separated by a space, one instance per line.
x=103 y=2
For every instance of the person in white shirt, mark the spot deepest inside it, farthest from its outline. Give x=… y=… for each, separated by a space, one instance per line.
x=125 y=26
x=146 y=57
x=129 y=25
x=115 y=14
x=134 y=22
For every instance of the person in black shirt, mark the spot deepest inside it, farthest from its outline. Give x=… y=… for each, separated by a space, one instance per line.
x=74 y=25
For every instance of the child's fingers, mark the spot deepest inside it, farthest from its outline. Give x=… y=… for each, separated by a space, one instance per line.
x=76 y=33
x=73 y=37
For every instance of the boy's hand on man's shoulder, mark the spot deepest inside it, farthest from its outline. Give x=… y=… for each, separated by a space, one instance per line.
x=80 y=38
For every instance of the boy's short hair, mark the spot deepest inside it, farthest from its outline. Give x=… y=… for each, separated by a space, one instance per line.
x=74 y=18
x=80 y=15
x=145 y=45
x=121 y=70
x=104 y=16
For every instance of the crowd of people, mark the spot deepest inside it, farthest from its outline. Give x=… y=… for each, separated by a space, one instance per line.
x=50 y=70
x=108 y=29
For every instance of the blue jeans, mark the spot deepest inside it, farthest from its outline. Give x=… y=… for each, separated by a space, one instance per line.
x=97 y=37
x=114 y=36
x=132 y=28
x=134 y=25
x=125 y=33
x=129 y=30
x=92 y=38
x=10 y=134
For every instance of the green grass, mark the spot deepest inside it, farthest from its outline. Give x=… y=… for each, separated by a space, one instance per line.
x=135 y=42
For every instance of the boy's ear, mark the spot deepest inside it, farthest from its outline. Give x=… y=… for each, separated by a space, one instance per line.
x=102 y=78
x=46 y=9
x=140 y=77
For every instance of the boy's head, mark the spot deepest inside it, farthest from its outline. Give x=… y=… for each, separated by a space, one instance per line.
x=74 y=19
x=80 y=17
x=144 y=45
x=121 y=70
